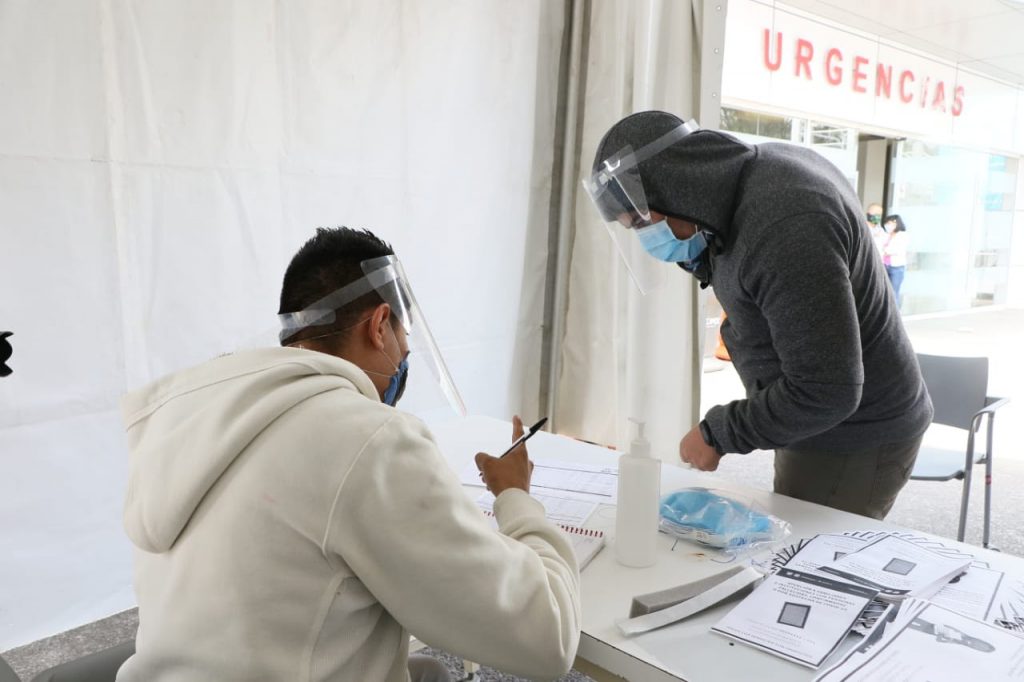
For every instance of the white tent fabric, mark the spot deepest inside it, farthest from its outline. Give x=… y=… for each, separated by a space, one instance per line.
x=627 y=355
x=160 y=161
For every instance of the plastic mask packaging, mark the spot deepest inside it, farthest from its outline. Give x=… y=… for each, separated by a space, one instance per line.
x=715 y=520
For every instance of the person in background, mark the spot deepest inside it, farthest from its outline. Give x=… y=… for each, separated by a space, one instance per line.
x=874 y=222
x=832 y=382
x=290 y=523
x=894 y=252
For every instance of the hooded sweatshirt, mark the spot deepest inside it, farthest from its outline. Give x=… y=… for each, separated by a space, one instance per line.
x=812 y=327
x=290 y=526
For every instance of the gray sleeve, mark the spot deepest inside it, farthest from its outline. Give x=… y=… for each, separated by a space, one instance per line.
x=799 y=278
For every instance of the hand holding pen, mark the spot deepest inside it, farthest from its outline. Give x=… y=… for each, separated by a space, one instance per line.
x=513 y=468
x=522 y=438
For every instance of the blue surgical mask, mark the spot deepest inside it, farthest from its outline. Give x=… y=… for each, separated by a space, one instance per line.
x=710 y=518
x=658 y=240
x=396 y=384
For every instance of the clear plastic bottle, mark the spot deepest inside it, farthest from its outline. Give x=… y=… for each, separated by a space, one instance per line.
x=636 y=517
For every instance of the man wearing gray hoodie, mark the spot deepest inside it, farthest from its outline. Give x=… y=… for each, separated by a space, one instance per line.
x=832 y=382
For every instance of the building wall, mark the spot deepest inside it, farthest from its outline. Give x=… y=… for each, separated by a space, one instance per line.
x=783 y=60
x=958 y=173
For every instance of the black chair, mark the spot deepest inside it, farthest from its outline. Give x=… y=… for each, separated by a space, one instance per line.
x=959 y=391
x=101 y=666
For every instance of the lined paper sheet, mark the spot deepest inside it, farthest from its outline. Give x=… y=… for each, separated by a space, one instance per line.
x=565 y=510
x=586 y=542
x=589 y=482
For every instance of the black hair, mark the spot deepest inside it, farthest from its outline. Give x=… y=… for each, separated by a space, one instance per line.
x=327 y=262
x=900 y=225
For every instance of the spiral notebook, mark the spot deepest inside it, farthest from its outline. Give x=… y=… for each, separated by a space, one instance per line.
x=586 y=542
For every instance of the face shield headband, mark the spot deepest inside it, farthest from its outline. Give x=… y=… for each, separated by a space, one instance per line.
x=618 y=193
x=387 y=278
x=616 y=188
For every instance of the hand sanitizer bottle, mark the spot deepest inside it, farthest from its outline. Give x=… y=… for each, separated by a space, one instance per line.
x=636 y=517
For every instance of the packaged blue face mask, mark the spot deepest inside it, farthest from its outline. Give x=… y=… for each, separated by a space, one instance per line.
x=712 y=519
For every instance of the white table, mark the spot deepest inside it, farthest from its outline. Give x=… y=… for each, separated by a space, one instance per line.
x=686 y=650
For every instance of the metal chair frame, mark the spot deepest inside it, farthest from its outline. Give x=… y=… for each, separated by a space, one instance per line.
x=992 y=404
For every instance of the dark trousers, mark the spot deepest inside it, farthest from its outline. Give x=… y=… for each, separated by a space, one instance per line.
x=864 y=482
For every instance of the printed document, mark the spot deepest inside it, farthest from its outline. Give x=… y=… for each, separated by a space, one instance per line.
x=798 y=616
x=898 y=568
x=590 y=482
x=565 y=510
x=972 y=594
x=822 y=550
x=928 y=643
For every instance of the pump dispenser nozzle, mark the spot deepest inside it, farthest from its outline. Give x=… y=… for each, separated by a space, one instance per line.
x=640 y=446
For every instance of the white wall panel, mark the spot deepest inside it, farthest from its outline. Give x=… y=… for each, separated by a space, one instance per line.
x=201 y=265
x=66 y=560
x=51 y=79
x=61 y=291
x=193 y=82
x=214 y=137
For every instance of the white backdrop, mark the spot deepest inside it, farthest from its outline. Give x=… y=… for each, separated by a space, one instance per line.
x=627 y=355
x=160 y=162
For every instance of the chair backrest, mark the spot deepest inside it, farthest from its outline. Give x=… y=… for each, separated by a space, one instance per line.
x=958 y=387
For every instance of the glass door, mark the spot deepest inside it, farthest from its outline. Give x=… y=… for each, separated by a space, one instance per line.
x=958 y=208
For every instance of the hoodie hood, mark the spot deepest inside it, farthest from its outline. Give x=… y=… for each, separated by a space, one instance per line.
x=187 y=429
x=695 y=178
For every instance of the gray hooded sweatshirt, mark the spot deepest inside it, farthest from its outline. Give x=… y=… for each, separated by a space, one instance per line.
x=813 y=328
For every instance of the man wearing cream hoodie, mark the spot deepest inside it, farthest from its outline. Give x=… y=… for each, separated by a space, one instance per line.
x=290 y=524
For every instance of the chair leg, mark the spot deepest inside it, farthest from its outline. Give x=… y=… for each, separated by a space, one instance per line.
x=471 y=669
x=988 y=482
x=966 y=493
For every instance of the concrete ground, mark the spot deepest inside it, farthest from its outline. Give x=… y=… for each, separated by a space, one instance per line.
x=928 y=506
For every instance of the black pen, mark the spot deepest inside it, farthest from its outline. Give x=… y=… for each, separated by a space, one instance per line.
x=525 y=437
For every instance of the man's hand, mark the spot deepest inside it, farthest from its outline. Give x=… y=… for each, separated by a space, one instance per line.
x=693 y=450
x=511 y=471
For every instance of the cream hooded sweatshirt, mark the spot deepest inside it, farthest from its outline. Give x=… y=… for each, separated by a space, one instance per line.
x=291 y=527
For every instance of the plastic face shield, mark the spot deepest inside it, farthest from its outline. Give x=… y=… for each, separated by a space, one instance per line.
x=430 y=386
x=618 y=193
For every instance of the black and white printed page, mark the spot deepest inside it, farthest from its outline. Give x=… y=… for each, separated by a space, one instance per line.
x=798 y=616
x=935 y=645
x=897 y=568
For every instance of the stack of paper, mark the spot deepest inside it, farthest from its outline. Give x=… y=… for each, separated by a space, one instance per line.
x=925 y=642
x=1008 y=606
x=824 y=588
x=981 y=592
x=798 y=616
x=809 y=555
x=897 y=568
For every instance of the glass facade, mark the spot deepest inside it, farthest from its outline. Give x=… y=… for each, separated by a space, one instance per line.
x=836 y=143
x=958 y=207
